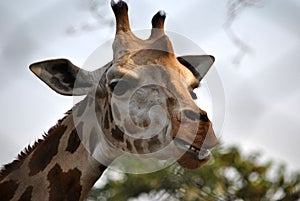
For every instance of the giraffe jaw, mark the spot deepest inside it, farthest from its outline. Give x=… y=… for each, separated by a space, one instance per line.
x=193 y=157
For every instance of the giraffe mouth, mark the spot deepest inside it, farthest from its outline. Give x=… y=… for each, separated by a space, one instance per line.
x=201 y=154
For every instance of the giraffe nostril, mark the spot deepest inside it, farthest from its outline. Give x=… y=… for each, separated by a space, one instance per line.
x=194 y=116
x=191 y=115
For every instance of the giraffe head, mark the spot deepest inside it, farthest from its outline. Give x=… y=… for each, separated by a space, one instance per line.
x=143 y=98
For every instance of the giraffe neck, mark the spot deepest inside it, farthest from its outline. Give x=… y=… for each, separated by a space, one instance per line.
x=59 y=167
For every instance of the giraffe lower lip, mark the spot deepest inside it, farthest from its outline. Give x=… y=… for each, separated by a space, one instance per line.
x=202 y=153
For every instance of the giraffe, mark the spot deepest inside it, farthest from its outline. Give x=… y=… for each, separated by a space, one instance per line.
x=121 y=111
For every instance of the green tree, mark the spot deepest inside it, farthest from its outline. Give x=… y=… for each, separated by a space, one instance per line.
x=228 y=176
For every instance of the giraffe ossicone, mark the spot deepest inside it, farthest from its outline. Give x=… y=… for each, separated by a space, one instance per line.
x=140 y=103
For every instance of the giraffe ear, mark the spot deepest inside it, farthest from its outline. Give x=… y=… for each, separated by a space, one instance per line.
x=197 y=64
x=63 y=77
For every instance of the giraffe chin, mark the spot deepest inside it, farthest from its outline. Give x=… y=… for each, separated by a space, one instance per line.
x=190 y=160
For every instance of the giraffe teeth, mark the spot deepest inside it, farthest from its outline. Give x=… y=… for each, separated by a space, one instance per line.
x=194 y=149
x=202 y=153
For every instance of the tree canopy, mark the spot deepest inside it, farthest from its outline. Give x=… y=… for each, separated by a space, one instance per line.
x=229 y=175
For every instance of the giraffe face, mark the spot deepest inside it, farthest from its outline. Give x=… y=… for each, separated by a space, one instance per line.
x=153 y=102
x=145 y=95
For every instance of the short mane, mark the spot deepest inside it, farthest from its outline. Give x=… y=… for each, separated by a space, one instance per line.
x=14 y=165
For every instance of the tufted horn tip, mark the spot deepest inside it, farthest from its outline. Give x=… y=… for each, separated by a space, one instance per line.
x=162 y=13
x=118 y=4
x=113 y=3
x=120 y=9
x=159 y=19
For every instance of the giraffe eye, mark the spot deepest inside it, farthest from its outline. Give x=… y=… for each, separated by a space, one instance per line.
x=119 y=87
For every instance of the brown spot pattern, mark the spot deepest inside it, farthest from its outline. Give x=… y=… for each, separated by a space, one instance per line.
x=106 y=122
x=138 y=145
x=154 y=144
x=7 y=190
x=26 y=196
x=73 y=142
x=129 y=146
x=93 y=140
x=117 y=134
x=110 y=114
x=82 y=107
x=79 y=130
x=64 y=185
x=46 y=150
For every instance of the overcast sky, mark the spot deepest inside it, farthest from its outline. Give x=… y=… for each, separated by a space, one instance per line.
x=262 y=93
